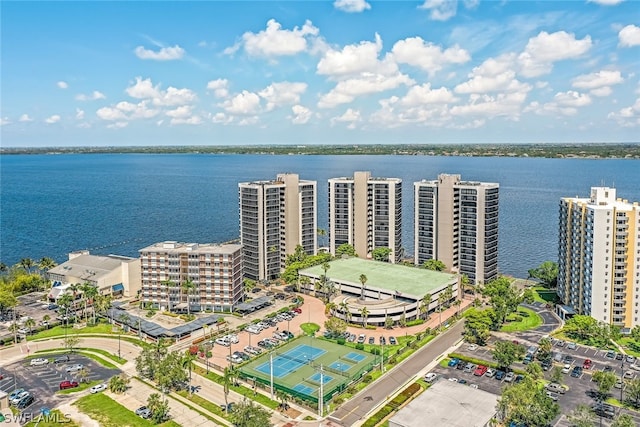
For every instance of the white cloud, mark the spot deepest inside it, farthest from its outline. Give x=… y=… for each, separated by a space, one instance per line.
x=347 y=90
x=564 y=103
x=503 y=104
x=351 y=116
x=598 y=83
x=244 y=103
x=351 y=6
x=628 y=116
x=420 y=95
x=62 y=85
x=5 y=121
x=25 y=118
x=545 y=49
x=183 y=115
x=92 y=97
x=127 y=111
x=117 y=125
x=504 y=82
x=572 y=98
x=144 y=89
x=440 y=10
x=164 y=54
x=79 y=114
x=355 y=59
x=219 y=87
x=427 y=56
x=52 y=119
x=606 y=2
x=629 y=36
x=283 y=93
x=274 y=41
x=301 y=115
x=221 y=118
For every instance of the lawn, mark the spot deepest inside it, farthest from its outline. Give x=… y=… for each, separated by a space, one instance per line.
x=544 y=295
x=630 y=345
x=110 y=413
x=310 y=328
x=529 y=320
x=52 y=353
x=54 y=419
x=81 y=386
x=58 y=331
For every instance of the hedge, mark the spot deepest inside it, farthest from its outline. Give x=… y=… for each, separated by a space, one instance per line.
x=397 y=401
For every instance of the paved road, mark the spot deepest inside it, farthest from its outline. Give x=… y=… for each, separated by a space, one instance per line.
x=361 y=404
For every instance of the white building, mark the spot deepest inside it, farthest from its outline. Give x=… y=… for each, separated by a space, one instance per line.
x=275 y=217
x=111 y=274
x=213 y=272
x=366 y=212
x=456 y=222
x=599 y=257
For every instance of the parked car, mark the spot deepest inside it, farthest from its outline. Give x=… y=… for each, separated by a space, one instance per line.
x=25 y=402
x=393 y=341
x=361 y=338
x=527 y=359
x=629 y=375
x=61 y=359
x=372 y=340
x=143 y=412
x=568 y=359
x=619 y=356
x=453 y=362
x=619 y=383
x=75 y=368
x=560 y=343
x=223 y=341
x=604 y=409
x=553 y=396
x=98 y=388
x=490 y=373
x=518 y=379
x=453 y=380
x=566 y=369
x=298 y=310
x=68 y=384
x=577 y=372
x=611 y=354
x=480 y=371
x=630 y=359
x=555 y=388
x=469 y=367
x=546 y=365
x=431 y=377
x=472 y=347
x=460 y=366
x=587 y=364
x=572 y=346
x=39 y=362
x=15 y=394
x=509 y=377
x=462 y=381
x=19 y=397
x=500 y=375
x=383 y=340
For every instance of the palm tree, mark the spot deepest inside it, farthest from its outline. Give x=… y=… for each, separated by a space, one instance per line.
x=344 y=307
x=46 y=319
x=30 y=323
x=27 y=264
x=118 y=383
x=187 y=362
x=442 y=298
x=457 y=303
x=3 y=267
x=46 y=264
x=188 y=285
x=466 y=285
x=330 y=289
x=330 y=307
x=90 y=292
x=227 y=380
x=305 y=281
x=424 y=305
x=322 y=233
x=74 y=288
x=102 y=304
x=363 y=280
x=168 y=284
x=365 y=313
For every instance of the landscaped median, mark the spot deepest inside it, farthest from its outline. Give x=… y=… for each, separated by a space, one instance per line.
x=95 y=354
x=394 y=405
x=523 y=319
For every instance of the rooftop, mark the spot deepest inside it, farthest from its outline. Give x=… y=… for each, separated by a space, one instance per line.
x=201 y=248
x=88 y=266
x=449 y=404
x=393 y=277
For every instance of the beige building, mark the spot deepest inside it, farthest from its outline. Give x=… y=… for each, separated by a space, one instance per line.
x=366 y=212
x=214 y=272
x=275 y=217
x=111 y=274
x=599 y=258
x=456 y=222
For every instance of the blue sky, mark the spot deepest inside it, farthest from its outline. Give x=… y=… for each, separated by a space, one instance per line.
x=319 y=72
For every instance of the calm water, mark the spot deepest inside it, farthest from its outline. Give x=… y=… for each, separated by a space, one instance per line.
x=110 y=203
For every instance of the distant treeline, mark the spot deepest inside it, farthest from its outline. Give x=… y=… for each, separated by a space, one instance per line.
x=596 y=151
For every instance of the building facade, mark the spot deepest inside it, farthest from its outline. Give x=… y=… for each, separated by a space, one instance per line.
x=275 y=217
x=113 y=275
x=366 y=213
x=456 y=222
x=599 y=257
x=191 y=277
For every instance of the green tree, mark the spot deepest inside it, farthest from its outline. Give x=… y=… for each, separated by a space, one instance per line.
x=188 y=286
x=388 y=322
x=635 y=334
x=335 y=326
x=7 y=299
x=159 y=408
x=623 y=420
x=46 y=264
x=587 y=330
x=442 y=299
x=434 y=265
x=582 y=416
x=344 y=308
x=534 y=370
x=345 y=249
x=30 y=323
x=119 y=383
x=477 y=326
x=402 y=321
x=605 y=381
x=424 y=305
x=248 y=286
x=529 y=296
x=363 y=281
x=381 y=254
x=83 y=375
x=544 y=349
x=547 y=273
x=248 y=414
x=71 y=341
x=503 y=297
x=46 y=319
x=228 y=379
x=526 y=404
x=507 y=352
x=556 y=375
x=633 y=392
x=365 y=314
x=27 y=264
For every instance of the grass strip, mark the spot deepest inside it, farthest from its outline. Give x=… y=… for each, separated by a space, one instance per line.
x=91 y=356
x=99 y=351
x=54 y=419
x=530 y=320
x=109 y=413
x=393 y=405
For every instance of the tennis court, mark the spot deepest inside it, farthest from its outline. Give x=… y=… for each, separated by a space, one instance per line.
x=300 y=366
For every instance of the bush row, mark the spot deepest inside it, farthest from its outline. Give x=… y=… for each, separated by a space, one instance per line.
x=397 y=401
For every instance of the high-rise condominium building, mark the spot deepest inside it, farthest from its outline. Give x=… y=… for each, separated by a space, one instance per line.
x=599 y=257
x=456 y=222
x=198 y=276
x=275 y=217
x=366 y=213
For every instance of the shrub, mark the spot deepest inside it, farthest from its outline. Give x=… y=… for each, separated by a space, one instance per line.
x=341 y=341
x=374 y=350
x=373 y=327
x=415 y=322
x=367 y=378
x=359 y=346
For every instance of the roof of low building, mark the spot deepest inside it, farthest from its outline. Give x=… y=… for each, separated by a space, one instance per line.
x=381 y=275
x=89 y=267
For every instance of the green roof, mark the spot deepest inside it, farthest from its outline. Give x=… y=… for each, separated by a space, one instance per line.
x=382 y=275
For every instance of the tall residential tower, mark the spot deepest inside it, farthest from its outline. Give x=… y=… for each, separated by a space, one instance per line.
x=456 y=222
x=599 y=257
x=275 y=217
x=366 y=213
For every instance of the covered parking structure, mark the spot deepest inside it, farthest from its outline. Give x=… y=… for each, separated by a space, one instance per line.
x=254 y=305
x=153 y=330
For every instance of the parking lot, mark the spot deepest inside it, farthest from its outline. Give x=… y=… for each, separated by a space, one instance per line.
x=43 y=381
x=580 y=389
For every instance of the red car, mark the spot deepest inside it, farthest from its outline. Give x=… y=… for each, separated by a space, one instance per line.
x=480 y=371
x=587 y=364
x=68 y=384
x=297 y=310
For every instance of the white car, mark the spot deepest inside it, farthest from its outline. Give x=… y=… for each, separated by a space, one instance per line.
x=566 y=369
x=453 y=380
x=490 y=373
x=98 y=388
x=39 y=362
x=472 y=347
x=75 y=368
x=509 y=377
x=431 y=377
